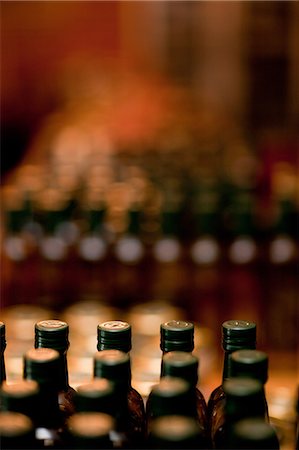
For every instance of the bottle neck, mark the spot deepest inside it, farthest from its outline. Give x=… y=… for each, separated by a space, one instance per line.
x=63 y=372
x=226 y=366
x=49 y=415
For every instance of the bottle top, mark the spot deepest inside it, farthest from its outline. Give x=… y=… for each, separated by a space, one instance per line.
x=2 y=337
x=174 y=431
x=114 y=335
x=114 y=365
x=42 y=365
x=250 y=364
x=52 y=334
x=238 y=334
x=13 y=424
x=181 y=365
x=177 y=335
x=254 y=433
x=90 y=425
x=243 y=397
x=20 y=396
x=97 y=396
x=171 y=396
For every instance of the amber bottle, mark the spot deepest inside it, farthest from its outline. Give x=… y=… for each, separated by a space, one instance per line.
x=236 y=335
x=89 y=430
x=54 y=334
x=42 y=366
x=115 y=366
x=114 y=335
x=244 y=398
x=251 y=364
x=253 y=434
x=184 y=365
x=174 y=432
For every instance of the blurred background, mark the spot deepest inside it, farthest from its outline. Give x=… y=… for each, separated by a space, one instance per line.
x=149 y=158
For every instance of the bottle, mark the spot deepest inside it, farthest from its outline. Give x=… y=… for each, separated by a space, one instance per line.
x=253 y=434
x=42 y=366
x=21 y=397
x=177 y=335
x=170 y=396
x=96 y=396
x=54 y=334
x=251 y=364
x=174 y=432
x=16 y=431
x=114 y=335
x=89 y=430
x=236 y=335
x=130 y=415
x=243 y=399
x=184 y=365
x=2 y=350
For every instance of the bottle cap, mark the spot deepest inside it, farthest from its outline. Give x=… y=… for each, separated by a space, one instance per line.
x=243 y=398
x=181 y=365
x=177 y=335
x=250 y=364
x=174 y=431
x=52 y=334
x=171 y=396
x=96 y=396
x=90 y=429
x=114 y=365
x=20 y=396
x=14 y=425
x=238 y=334
x=255 y=433
x=2 y=337
x=114 y=335
x=42 y=365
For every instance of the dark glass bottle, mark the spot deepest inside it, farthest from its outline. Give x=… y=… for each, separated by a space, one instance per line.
x=42 y=366
x=243 y=399
x=54 y=334
x=16 y=431
x=170 y=396
x=130 y=415
x=236 y=335
x=174 y=432
x=21 y=397
x=184 y=365
x=2 y=350
x=95 y=396
x=251 y=364
x=89 y=430
x=253 y=434
x=177 y=335
x=114 y=335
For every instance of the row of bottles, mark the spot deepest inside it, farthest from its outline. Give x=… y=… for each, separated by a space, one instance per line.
x=108 y=412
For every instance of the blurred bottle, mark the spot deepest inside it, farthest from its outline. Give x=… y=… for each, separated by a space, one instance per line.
x=243 y=399
x=174 y=432
x=42 y=365
x=89 y=430
x=251 y=364
x=114 y=335
x=55 y=334
x=184 y=365
x=16 y=431
x=95 y=396
x=253 y=434
x=236 y=335
x=206 y=254
x=2 y=350
x=21 y=397
x=130 y=415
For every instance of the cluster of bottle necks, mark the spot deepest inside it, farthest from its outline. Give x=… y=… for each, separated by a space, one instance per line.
x=43 y=411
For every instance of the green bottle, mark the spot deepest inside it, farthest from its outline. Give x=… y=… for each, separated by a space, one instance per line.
x=114 y=335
